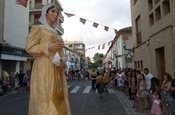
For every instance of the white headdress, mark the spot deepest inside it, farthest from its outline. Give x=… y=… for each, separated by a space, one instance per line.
x=43 y=20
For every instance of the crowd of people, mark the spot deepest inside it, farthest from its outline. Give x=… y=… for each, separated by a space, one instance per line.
x=14 y=81
x=145 y=90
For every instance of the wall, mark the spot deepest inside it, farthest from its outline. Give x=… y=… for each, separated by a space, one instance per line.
x=16 y=21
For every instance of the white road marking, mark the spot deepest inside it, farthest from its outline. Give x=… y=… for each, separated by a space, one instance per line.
x=75 y=89
x=87 y=89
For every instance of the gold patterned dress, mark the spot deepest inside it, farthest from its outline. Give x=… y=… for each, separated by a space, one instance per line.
x=49 y=92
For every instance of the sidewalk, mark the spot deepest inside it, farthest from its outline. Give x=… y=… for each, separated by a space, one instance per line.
x=129 y=103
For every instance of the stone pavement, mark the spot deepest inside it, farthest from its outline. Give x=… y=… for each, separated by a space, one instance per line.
x=129 y=103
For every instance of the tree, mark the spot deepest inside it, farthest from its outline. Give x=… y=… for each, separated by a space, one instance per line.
x=98 y=59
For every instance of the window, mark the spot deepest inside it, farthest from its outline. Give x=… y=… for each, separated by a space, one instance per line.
x=38 y=1
x=156 y=1
x=157 y=13
x=136 y=65
x=151 y=19
x=70 y=45
x=150 y=4
x=141 y=64
x=78 y=46
x=166 y=7
x=138 y=30
x=135 y=1
x=36 y=18
x=38 y=4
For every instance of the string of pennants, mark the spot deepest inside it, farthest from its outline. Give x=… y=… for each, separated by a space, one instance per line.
x=95 y=24
x=102 y=46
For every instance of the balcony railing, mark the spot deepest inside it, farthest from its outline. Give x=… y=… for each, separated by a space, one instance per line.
x=35 y=6
x=61 y=18
x=60 y=30
x=35 y=21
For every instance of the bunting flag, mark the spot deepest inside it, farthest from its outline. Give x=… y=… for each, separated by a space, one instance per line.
x=93 y=47
x=83 y=21
x=106 y=28
x=103 y=46
x=98 y=47
x=116 y=32
x=22 y=2
x=109 y=43
x=69 y=14
x=95 y=25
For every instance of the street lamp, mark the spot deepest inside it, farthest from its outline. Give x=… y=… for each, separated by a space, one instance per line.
x=127 y=49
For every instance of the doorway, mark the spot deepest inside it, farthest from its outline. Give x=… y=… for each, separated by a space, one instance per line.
x=160 y=62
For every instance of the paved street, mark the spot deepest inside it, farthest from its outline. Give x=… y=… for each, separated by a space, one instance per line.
x=83 y=101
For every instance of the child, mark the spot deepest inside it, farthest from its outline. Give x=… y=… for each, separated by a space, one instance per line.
x=16 y=87
x=28 y=85
x=156 y=106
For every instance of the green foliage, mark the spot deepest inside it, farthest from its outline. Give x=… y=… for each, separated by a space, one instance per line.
x=98 y=61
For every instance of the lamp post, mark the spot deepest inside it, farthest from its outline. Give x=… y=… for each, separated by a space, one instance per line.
x=127 y=49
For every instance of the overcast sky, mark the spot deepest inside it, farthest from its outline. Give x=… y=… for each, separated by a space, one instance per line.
x=112 y=13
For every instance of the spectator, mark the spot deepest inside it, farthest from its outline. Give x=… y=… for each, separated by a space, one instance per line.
x=156 y=106
x=166 y=84
x=141 y=93
x=148 y=77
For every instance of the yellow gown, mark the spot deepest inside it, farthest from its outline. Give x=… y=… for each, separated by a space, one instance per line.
x=49 y=92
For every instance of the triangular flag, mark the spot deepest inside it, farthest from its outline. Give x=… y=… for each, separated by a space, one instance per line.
x=109 y=43
x=83 y=21
x=98 y=47
x=95 y=25
x=106 y=28
x=103 y=47
x=22 y=2
x=69 y=15
x=116 y=32
x=125 y=36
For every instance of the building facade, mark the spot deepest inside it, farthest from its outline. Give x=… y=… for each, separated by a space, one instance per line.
x=73 y=59
x=79 y=47
x=13 y=31
x=120 y=53
x=153 y=28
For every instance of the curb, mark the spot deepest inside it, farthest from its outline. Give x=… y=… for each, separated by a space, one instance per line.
x=123 y=103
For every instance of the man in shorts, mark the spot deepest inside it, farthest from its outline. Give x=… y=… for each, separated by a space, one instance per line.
x=148 y=77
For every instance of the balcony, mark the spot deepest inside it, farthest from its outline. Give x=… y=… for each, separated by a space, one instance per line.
x=35 y=6
x=34 y=22
x=61 y=17
x=60 y=30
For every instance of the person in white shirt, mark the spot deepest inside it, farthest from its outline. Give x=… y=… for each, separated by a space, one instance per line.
x=148 y=77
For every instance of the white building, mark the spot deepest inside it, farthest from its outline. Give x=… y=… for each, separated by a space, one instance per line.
x=14 y=22
x=120 y=54
x=73 y=58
